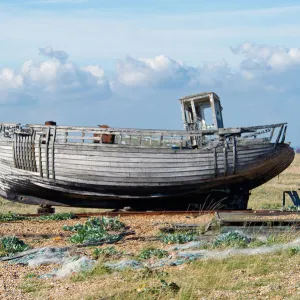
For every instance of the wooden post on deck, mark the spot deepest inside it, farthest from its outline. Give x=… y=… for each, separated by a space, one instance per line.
x=183 y=116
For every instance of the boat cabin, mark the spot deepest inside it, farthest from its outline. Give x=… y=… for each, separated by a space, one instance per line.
x=202 y=111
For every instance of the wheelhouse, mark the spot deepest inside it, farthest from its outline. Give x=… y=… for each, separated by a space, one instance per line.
x=202 y=111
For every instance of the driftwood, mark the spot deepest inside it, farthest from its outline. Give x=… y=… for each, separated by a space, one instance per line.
x=172 y=227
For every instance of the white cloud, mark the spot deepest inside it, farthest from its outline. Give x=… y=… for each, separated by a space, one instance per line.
x=55 y=79
x=262 y=68
x=272 y=57
x=159 y=71
x=214 y=74
x=272 y=68
x=269 y=68
x=8 y=79
x=62 y=56
x=97 y=72
x=162 y=72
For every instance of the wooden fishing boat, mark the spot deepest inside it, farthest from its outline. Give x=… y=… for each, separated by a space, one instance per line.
x=203 y=166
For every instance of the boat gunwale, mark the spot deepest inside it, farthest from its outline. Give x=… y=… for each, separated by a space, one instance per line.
x=158 y=132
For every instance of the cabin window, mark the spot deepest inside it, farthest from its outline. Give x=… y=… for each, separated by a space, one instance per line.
x=202 y=111
x=188 y=115
x=206 y=117
x=218 y=115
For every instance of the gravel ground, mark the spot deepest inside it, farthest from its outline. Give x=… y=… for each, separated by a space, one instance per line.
x=15 y=283
x=13 y=278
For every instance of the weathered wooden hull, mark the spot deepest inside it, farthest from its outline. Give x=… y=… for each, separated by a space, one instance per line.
x=114 y=176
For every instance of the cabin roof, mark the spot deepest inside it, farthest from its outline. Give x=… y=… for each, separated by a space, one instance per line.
x=199 y=96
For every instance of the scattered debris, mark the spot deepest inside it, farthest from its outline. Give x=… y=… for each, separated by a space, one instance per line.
x=220 y=254
x=47 y=256
x=82 y=264
x=197 y=227
x=41 y=256
x=190 y=245
x=170 y=261
x=124 y=264
x=190 y=255
x=19 y=255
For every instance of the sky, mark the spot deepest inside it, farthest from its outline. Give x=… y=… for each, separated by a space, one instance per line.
x=126 y=63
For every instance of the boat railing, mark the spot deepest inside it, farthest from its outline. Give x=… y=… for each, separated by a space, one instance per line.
x=8 y=129
x=157 y=138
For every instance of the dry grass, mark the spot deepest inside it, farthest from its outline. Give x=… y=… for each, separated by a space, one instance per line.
x=273 y=276
x=269 y=195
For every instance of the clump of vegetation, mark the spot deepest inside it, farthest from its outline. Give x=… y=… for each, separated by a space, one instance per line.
x=232 y=239
x=292 y=208
x=96 y=230
x=294 y=250
x=256 y=243
x=177 y=238
x=11 y=244
x=8 y=217
x=106 y=252
x=30 y=275
x=152 y=252
x=170 y=285
x=164 y=286
x=57 y=217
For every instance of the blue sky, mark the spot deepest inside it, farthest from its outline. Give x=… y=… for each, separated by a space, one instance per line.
x=127 y=62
